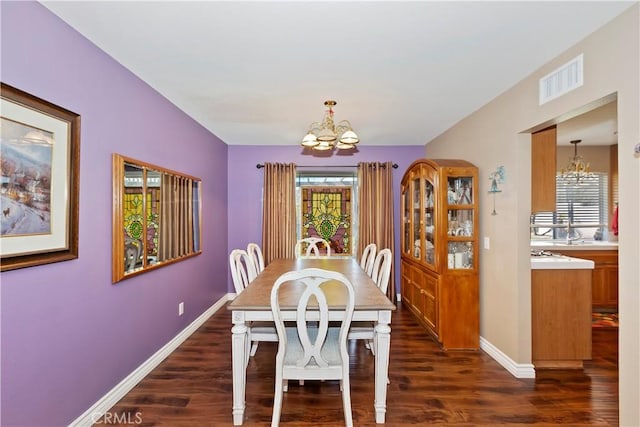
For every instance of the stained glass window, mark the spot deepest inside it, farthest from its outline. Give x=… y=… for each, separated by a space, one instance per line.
x=326 y=213
x=133 y=223
x=325 y=208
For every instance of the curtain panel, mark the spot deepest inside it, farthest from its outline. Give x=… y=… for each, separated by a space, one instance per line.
x=279 y=211
x=176 y=224
x=375 y=218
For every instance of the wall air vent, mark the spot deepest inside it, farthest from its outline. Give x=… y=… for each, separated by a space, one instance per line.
x=562 y=80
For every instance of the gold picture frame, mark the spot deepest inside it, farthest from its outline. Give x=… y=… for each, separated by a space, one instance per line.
x=40 y=161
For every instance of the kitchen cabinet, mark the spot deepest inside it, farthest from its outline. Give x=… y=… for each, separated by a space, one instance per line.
x=543 y=170
x=604 y=276
x=439 y=245
x=560 y=312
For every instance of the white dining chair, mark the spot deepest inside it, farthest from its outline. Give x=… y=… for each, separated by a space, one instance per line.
x=312 y=350
x=243 y=273
x=255 y=254
x=380 y=274
x=368 y=258
x=313 y=246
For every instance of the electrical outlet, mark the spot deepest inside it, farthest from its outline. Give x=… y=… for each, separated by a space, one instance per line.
x=487 y=243
x=180 y=309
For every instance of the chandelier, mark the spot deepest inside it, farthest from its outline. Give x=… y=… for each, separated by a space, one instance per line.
x=327 y=135
x=577 y=169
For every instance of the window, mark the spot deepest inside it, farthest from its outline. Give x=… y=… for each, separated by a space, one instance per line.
x=581 y=208
x=326 y=206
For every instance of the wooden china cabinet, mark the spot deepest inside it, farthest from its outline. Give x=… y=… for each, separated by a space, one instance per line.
x=439 y=242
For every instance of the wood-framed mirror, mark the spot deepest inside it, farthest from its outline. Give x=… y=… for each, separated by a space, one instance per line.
x=156 y=217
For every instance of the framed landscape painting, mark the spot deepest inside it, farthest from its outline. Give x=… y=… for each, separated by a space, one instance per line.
x=39 y=159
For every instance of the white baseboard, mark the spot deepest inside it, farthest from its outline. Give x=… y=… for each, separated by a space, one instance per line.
x=518 y=370
x=103 y=405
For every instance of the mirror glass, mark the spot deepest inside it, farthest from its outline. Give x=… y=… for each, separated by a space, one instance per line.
x=133 y=220
x=154 y=186
x=156 y=217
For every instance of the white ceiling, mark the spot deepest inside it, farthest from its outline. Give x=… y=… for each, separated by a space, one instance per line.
x=401 y=72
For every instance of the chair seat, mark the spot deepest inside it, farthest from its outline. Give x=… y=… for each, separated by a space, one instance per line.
x=263 y=331
x=361 y=331
x=266 y=325
x=330 y=353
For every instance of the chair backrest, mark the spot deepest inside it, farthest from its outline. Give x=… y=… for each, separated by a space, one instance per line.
x=382 y=269
x=312 y=331
x=313 y=246
x=255 y=254
x=242 y=269
x=132 y=252
x=368 y=258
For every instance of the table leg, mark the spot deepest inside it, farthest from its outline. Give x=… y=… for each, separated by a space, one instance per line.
x=239 y=339
x=382 y=343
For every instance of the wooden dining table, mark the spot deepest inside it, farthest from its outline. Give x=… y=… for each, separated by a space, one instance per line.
x=253 y=304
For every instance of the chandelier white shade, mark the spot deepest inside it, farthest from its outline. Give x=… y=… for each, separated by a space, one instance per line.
x=326 y=135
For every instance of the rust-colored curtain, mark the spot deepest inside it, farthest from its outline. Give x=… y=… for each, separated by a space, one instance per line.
x=176 y=225
x=375 y=218
x=279 y=211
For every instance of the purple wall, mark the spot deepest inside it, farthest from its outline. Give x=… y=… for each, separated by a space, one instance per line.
x=245 y=183
x=68 y=334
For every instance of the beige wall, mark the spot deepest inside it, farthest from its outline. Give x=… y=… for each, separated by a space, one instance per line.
x=498 y=134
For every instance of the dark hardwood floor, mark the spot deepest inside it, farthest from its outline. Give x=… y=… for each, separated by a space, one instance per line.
x=193 y=387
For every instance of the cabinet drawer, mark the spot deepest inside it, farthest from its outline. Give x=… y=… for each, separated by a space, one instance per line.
x=415 y=274
x=427 y=300
x=405 y=282
x=430 y=285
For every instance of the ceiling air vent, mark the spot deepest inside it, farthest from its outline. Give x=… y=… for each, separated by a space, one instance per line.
x=562 y=80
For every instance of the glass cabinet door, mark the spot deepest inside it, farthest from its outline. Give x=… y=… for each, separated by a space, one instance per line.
x=429 y=223
x=406 y=223
x=460 y=190
x=416 y=216
x=460 y=223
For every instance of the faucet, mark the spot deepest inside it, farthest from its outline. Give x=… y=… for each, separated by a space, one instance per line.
x=570 y=239
x=569 y=218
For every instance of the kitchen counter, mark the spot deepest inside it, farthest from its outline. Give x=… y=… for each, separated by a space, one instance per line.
x=579 y=245
x=560 y=262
